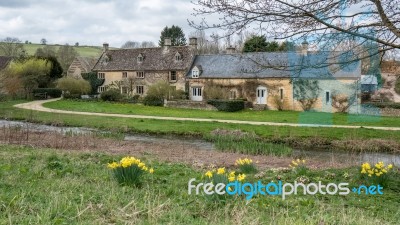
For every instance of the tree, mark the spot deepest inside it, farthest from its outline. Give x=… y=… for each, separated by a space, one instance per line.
x=43 y=41
x=94 y=81
x=306 y=92
x=175 y=33
x=130 y=45
x=29 y=74
x=76 y=44
x=45 y=51
x=11 y=46
x=323 y=23
x=73 y=86
x=65 y=55
x=260 y=44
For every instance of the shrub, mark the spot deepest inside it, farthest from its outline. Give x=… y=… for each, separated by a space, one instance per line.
x=246 y=166
x=227 y=105
x=397 y=86
x=212 y=91
x=377 y=174
x=278 y=102
x=3 y=97
x=299 y=167
x=129 y=171
x=74 y=86
x=68 y=95
x=222 y=176
x=51 y=92
x=112 y=95
x=153 y=100
x=381 y=105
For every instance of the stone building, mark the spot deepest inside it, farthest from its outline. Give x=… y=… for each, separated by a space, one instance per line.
x=134 y=70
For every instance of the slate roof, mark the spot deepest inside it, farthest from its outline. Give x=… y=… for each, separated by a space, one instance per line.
x=87 y=63
x=154 y=59
x=275 y=65
x=4 y=61
x=369 y=79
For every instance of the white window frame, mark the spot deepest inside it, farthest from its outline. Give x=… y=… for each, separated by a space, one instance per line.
x=330 y=97
x=101 y=89
x=195 y=73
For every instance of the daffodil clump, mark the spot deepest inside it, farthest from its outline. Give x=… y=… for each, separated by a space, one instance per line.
x=299 y=166
x=221 y=175
x=377 y=174
x=246 y=166
x=129 y=170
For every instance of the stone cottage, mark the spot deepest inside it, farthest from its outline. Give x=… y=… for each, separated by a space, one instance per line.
x=81 y=65
x=136 y=69
x=271 y=79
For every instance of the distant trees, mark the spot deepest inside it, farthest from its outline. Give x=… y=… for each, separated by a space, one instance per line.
x=43 y=41
x=135 y=44
x=65 y=55
x=260 y=44
x=175 y=33
x=11 y=46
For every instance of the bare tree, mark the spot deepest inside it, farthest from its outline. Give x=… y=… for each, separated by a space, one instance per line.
x=11 y=46
x=131 y=44
x=323 y=22
x=147 y=44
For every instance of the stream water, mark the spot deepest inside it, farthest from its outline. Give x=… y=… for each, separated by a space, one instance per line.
x=322 y=155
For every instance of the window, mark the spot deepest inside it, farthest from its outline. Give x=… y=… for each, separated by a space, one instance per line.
x=327 y=97
x=101 y=89
x=124 y=74
x=232 y=94
x=101 y=75
x=178 y=57
x=172 y=76
x=140 y=74
x=140 y=58
x=140 y=89
x=281 y=93
x=124 y=90
x=195 y=74
x=196 y=91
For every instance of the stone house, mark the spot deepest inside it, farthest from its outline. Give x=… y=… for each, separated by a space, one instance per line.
x=134 y=70
x=270 y=79
x=81 y=65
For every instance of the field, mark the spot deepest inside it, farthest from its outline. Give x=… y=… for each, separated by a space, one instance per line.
x=87 y=51
x=47 y=186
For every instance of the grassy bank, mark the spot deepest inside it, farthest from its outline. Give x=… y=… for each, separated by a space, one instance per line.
x=44 y=186
x=87 y=51
x=247 y=115
x=336 y=138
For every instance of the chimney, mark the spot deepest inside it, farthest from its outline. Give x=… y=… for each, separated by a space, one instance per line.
x=167 y=42
x=193 y=42
x=304 y=48
x=230 y=50
x=105 y=46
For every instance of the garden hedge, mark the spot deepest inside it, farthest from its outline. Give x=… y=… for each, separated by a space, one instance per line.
x=227 y=105
x=50 y=92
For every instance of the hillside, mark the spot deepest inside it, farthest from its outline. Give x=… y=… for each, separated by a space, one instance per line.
x=87 y=51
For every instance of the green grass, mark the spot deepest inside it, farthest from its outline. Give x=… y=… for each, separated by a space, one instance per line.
x=203 y=129
x=87 y=51
x=44 y=186
x=247 y=115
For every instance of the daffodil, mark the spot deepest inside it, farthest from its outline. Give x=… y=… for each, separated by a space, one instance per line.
x=151 y=170
x=209 y=174
x=241 y=177
x=221 y=170
x=113 y=165
x=390 y=166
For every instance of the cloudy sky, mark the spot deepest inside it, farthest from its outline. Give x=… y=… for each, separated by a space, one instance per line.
x=92 y=22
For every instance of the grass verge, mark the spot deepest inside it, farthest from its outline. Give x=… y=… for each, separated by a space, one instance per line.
x=247 y=115
x=45 y=186
x=299 y=137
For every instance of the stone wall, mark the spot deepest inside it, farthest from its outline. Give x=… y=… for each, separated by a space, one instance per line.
x=186 y=104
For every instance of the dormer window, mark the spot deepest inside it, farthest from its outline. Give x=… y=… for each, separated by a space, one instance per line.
x=195 y=73
x=140 y=58
x=178 y=57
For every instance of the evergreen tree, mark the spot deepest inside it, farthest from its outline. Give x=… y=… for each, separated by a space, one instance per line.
x=175 y=33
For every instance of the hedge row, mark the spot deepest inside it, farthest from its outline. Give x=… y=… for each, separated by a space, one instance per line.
x=381 y=105
x=227 y=105
x=49 y=92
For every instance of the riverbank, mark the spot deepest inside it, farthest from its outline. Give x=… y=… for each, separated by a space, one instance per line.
x=298 y=137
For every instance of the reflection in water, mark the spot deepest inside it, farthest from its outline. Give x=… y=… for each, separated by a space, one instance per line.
x=319 y=155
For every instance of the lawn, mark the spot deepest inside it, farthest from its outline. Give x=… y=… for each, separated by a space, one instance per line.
x=247 y=115
x=45 y=186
